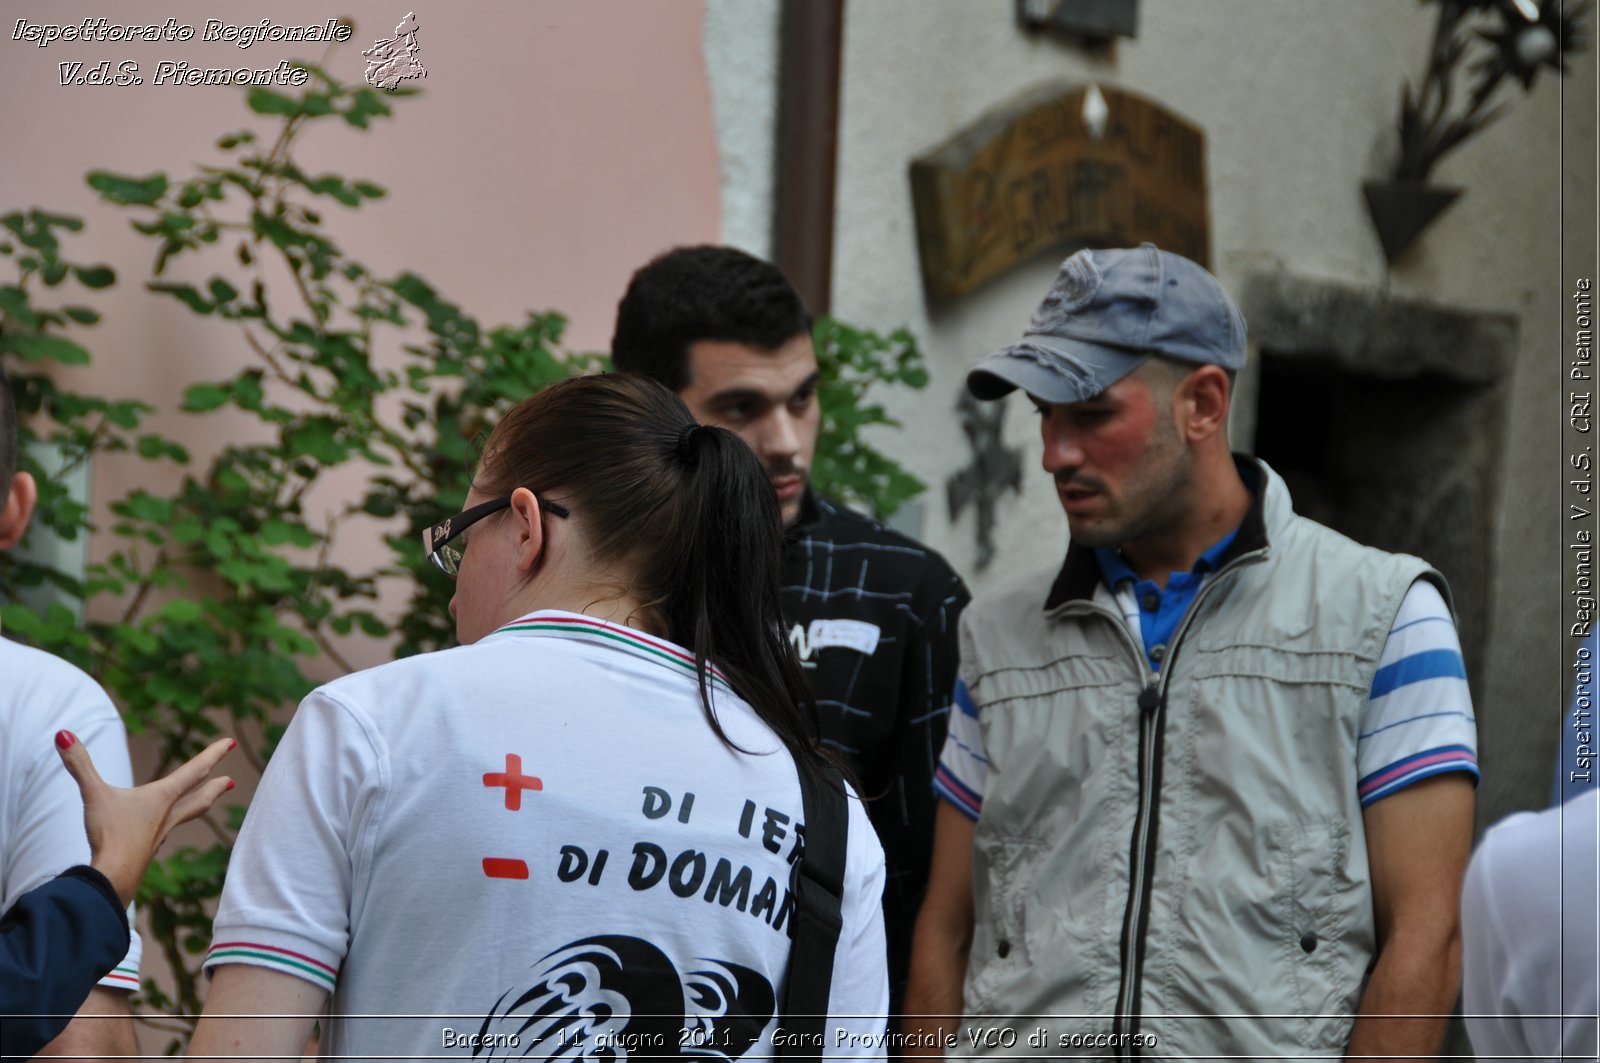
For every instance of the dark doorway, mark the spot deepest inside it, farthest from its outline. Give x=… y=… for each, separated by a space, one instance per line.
x=1385 y=421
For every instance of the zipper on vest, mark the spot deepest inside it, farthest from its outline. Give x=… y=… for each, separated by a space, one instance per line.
x=1141 y=863
x=1142 y=857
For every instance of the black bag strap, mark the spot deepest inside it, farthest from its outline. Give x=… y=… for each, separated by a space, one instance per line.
x=817 y=882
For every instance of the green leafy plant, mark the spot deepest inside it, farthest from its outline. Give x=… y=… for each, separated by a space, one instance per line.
x=219 y=598
x=852 y=361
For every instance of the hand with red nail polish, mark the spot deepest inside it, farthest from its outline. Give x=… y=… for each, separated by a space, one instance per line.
x=126 y=827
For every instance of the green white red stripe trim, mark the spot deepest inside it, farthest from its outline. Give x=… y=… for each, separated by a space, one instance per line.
x=122 y=977
x=296 y=963
x=615 y=634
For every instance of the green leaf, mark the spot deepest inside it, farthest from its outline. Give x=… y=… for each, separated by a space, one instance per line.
x=37 y=348
x=199 y=398
x=69 y=222
x=316 y=438
x=265 y=101
x=144 y=506
x=14 y=304
x=120 y=189
x=95 y=276
x=278 y=533
x=181 y=611
x=126 y=414
x=186 y=294
x=81 y=314
x=276 y=230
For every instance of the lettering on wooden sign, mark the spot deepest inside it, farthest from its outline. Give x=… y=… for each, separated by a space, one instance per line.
x=1029 y=176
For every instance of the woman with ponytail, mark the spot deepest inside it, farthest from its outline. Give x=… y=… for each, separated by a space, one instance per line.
x=572 y=834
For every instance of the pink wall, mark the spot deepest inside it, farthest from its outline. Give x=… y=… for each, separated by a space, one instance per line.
x=557 y=145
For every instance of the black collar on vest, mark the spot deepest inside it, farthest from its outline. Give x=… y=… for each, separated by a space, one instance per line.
x=1080 y=572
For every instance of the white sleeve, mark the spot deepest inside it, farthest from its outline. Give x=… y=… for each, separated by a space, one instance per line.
x=1528 y=935
x=1418 y=720
x=286 y=900
x=859 y=996
x=47 y=836
x=1490 y=1016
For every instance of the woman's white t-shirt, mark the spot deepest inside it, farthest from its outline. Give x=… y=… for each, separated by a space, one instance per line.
x=535 y=846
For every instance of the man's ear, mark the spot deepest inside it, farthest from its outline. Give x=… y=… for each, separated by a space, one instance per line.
x=1203 y=398
x=528 y=520
x=17 y=508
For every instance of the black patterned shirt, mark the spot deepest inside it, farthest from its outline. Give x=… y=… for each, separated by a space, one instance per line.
x=872 y=615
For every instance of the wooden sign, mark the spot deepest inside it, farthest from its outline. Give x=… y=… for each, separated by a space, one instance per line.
x=1038 y=174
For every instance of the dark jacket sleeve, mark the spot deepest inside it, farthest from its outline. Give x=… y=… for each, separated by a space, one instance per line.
x=56 y=942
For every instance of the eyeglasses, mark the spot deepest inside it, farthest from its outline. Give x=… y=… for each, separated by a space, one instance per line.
x=437 y=541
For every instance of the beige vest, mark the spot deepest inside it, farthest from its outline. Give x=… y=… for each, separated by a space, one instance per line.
x=1255 y=931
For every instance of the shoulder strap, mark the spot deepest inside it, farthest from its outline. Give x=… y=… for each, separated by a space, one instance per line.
x=817 y=881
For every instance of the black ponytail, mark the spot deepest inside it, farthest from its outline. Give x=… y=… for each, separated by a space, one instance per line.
x=723 y=600
x=686 y=513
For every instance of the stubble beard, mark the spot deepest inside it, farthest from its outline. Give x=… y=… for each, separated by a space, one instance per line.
x=1153 y=501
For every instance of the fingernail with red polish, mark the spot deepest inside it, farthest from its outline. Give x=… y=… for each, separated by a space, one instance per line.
x=64 y=739
x=229 y=786
x=232 y=744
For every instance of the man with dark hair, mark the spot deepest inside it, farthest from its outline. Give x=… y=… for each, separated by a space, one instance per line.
x=871 y=612
x=1208 y=785
x=41 y=811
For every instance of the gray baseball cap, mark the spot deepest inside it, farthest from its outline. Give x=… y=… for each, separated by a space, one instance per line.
x=1108 y=311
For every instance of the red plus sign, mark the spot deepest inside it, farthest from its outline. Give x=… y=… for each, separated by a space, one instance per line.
x=513 y=780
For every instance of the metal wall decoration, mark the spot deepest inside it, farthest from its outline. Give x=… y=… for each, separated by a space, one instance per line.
x=1494 y=38
x=1095 y=21
x=994 y=468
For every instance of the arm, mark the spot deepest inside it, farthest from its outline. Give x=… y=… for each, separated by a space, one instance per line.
x=102 y=1028
x=943 y=936
x=288 y=1008
x=1418 y=841
x=48 y=833
x=54 y=943
x=61 y=936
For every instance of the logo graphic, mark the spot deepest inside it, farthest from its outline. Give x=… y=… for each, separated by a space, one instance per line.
x=392 y=61
x=855 y=635
x=613 y=996
x=1075 y=286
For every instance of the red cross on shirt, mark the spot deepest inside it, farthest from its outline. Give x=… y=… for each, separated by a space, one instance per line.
x=513 y=780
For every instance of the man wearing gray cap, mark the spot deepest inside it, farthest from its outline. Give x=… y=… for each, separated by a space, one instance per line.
x=1209 y=787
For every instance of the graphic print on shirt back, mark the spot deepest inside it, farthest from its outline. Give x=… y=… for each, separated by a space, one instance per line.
x=613 y=997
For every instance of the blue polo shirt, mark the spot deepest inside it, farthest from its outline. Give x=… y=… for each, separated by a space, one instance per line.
x=1161 y=609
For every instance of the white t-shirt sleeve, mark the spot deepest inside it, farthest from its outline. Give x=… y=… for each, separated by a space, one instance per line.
x=859 y=995
x=286 y=900
x=963 y=769
x=1528 y=935
x=1418 y=720
x=47 y=836
x=1486 y=1002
